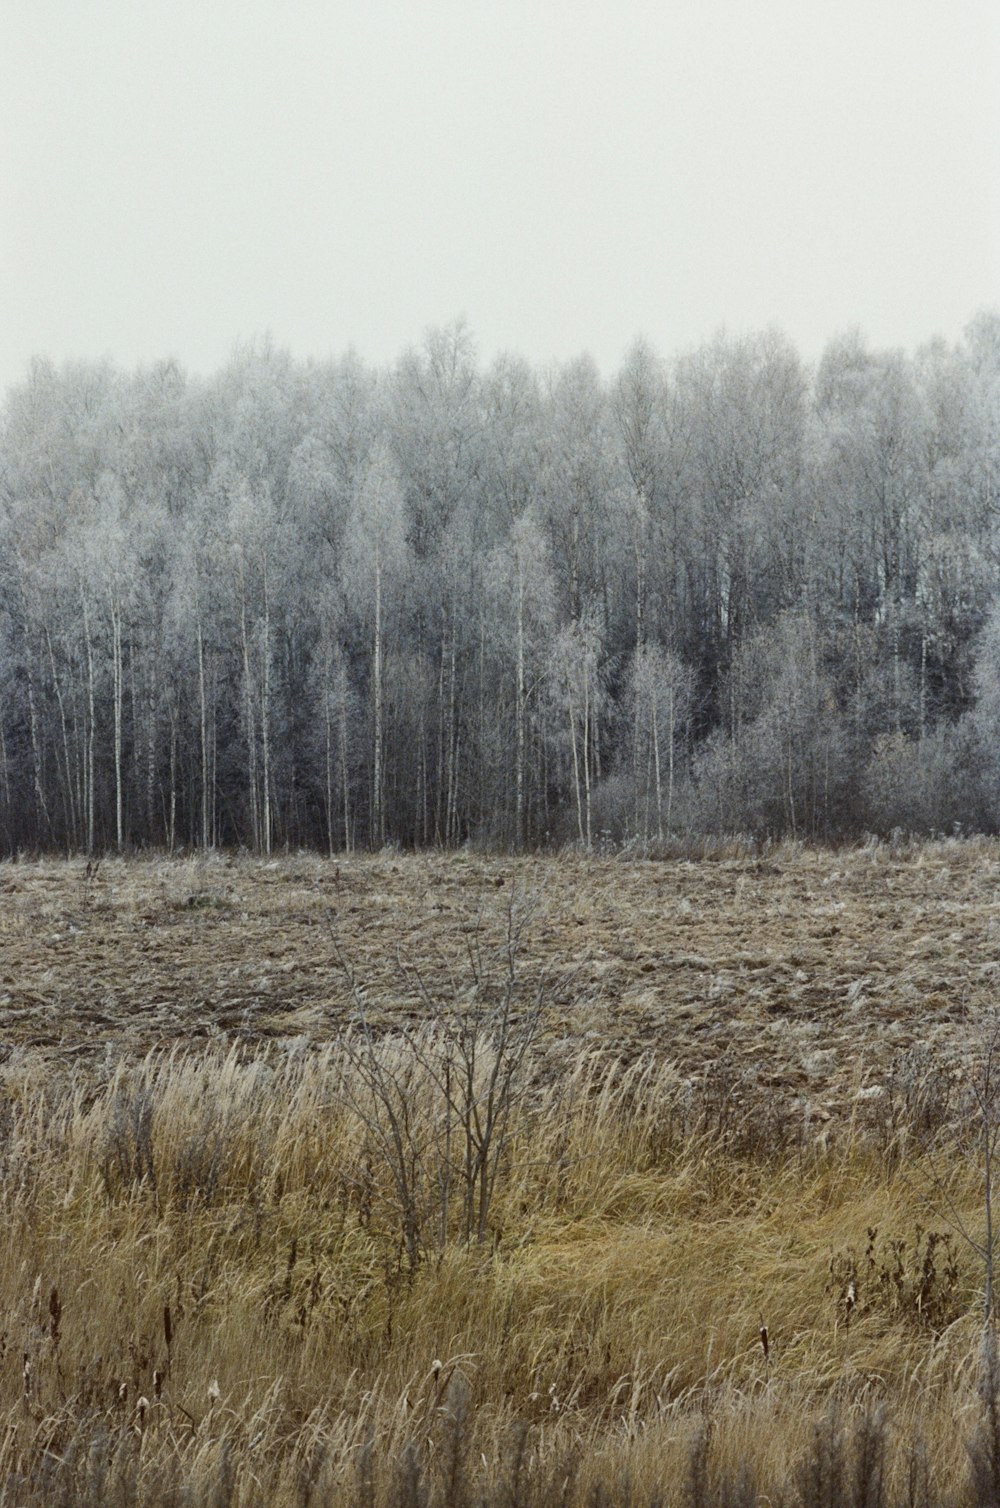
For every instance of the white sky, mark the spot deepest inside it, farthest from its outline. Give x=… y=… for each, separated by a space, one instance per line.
x=177 y=175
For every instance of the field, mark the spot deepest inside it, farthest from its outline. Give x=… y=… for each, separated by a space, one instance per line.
x=812 y=971
x=721 y=1248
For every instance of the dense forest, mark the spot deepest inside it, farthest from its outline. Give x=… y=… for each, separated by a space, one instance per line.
x=328 y=605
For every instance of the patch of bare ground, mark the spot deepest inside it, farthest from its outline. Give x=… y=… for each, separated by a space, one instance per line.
x=805 y=972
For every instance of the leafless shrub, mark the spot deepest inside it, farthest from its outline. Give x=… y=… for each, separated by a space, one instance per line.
x=437 y=1101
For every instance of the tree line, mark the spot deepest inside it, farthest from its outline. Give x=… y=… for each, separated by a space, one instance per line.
x=323 y=604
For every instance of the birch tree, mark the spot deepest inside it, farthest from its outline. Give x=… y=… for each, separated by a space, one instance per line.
x=637 y=405
x=336 y=705
x=661 y=693
x=577 y=690
x=111 y=568
x=250 y=526
x=376 y=546
x=520 y=600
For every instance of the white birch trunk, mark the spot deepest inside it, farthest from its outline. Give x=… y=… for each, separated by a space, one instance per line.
x=378 y=813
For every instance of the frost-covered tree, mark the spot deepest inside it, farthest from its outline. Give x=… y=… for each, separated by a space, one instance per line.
x=577 y=689
x=660 y=694
x=374 y=557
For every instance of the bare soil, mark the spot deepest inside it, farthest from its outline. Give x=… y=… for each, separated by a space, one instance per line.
x=814 y=971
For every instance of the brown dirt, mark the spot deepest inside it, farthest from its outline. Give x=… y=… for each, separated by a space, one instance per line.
x=812 y=970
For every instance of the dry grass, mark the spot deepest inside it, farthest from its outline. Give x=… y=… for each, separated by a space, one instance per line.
x=200 y=1271
x=204 y=1292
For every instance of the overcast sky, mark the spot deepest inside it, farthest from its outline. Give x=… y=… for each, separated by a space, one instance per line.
x=175 y=177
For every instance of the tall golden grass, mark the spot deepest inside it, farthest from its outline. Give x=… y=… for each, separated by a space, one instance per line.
x=206 y=1296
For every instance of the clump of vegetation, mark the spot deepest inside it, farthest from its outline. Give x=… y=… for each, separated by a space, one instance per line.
x=917 y=1280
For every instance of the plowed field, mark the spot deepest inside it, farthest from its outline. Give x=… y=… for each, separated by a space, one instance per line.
x=810 y=971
